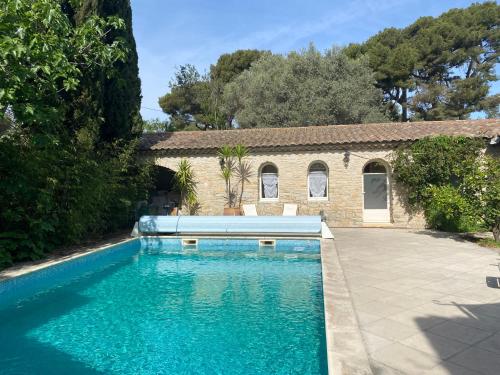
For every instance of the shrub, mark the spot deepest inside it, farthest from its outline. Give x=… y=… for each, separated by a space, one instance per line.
x=55 y=194
x=436 y=161
x=450 y=178
x=446 y=209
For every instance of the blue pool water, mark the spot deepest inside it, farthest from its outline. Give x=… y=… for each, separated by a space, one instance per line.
x=223 y=307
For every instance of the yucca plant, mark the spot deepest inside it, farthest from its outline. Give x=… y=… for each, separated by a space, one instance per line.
x=243 y=169
x=185 y=182
x=192 y=203
x=233 y=164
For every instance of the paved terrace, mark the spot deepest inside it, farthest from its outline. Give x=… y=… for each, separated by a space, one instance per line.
x=426 y=303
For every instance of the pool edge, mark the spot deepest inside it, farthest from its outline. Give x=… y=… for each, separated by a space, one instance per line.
x=345 y=349
x=25 y=269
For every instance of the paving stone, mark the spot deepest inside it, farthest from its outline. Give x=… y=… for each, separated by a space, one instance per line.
x=418 y=319
x=450 y=322
x=390 y=329
x=481 y=293
x=379 y=308
x=448 y=368
x=405 y=359
x=405 y=301
x=492 y=343
x=374 y=342
x=459 y=332
x=424 y=293
x=365 y=318
x=476 y=359
x=435 y=345
x=379 y=368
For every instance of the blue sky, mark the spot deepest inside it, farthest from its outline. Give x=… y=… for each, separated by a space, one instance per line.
x=175 y=32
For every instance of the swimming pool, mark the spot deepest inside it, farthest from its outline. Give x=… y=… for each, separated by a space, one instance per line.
x=155 y=307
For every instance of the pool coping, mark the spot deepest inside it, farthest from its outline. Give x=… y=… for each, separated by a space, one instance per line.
x=29 y=267
x=346 y=351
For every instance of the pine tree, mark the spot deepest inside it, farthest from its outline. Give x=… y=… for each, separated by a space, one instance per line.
x=438 y=68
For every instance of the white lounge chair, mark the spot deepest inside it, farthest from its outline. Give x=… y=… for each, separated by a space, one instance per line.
x=249 y=210
x=289 y=209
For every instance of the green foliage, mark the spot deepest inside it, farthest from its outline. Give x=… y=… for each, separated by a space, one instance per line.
x=43 y=58
x=230 y=65
x=489 y=242
x=483 y=185
x=188 y=99
x=196 y=101
x=447 y=209
x=453 y=181
x=56 y=193
x=437 y=161
x=59 y=183
x=439 y=68
x=155 y=126
x=185 y=182
x=306 y=88
x=110 y=100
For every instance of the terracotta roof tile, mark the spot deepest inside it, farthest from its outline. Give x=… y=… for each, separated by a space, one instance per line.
x=317 y=135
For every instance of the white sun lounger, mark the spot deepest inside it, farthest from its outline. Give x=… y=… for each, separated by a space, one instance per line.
x=249 y=210
x=289 y=209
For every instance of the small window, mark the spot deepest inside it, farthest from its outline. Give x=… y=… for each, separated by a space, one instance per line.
x=317 y=181
x=374 y=167
x=269 y=182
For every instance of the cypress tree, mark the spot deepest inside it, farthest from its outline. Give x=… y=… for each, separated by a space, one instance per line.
x=122 y=92
x=112 y=101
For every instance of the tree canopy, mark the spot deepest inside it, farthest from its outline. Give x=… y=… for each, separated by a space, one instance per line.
x=438 y=68
x=43 y=58
x=195 y=100
x=230 y=65
x=304 y=88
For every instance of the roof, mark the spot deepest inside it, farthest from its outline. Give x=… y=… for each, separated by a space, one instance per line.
x=316 y=136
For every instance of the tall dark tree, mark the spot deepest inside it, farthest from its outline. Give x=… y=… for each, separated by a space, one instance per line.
x=230 y=65
x=189 y=101
x=113 y=100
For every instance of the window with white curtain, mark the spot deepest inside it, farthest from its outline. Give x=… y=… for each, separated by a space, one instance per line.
x=317 y=181
x=269 y=182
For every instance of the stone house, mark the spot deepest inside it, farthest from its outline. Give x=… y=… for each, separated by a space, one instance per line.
x=342 y=171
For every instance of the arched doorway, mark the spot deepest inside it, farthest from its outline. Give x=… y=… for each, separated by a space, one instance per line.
x=376 y=193
x=163 y=197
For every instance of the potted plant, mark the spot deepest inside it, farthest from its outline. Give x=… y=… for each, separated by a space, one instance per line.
x=234 y=166
x=185 y=182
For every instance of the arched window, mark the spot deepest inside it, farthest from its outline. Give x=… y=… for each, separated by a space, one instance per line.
x=317 y=181
x=269 y=188
x=374 y=167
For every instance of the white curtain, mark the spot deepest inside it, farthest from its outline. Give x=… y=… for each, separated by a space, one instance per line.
x=270 y=185
x=317 y=184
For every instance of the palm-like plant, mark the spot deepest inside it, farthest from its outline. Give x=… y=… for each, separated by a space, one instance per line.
x=185 y=183
x=243 y=169
x=232 y=162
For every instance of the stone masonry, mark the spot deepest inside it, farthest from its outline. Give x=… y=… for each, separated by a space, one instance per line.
x=344 y=205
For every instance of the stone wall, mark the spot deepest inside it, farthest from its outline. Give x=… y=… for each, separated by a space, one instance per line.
x=343 y=207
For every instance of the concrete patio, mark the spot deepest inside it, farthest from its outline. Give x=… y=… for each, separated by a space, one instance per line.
x=426 y=302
